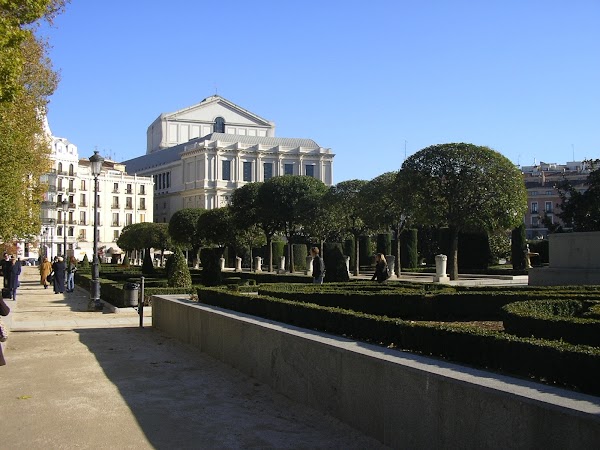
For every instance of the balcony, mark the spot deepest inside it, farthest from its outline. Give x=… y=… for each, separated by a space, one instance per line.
x=82 y=204
x=142 y=208
x=129 y=191
x=128 y=207
x=116 y=224
x=72 y=190
x=115 y=206
x=82 y=222
x=115 y=191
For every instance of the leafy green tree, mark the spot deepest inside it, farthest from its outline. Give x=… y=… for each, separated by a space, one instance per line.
x=244 y=216
x=347 y=206
x=26 y=83
x=386 y=207
x=183 y=228
x=290 y=201
x=466 y=188
x=216 y=227
x=581 y=210
x=179 y=272
x=145 y=236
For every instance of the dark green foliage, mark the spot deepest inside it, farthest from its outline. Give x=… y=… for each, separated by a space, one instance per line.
x=518 y=247
x=85 y=263
x=581 y=210
x=540 y=246
x=300 y=254
x=335 y=263
x=211 y=266
x=179 y=273
x=169 y=265
x=147 y=265
x=384 y=243
x=409 y=255
x=365 y=250
x=278 y=251
x=473 y=249
x=554 y=319
x=126 y=262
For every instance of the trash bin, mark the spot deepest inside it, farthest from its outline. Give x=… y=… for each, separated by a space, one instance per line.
x=130 y=294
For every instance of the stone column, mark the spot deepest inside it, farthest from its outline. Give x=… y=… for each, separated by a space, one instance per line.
x=391 y=263
x=281 y=265
x=308 y=270
x=258 y=264
x=347 y=259
x=440 y=269
x=238 y=264
x=222 y=262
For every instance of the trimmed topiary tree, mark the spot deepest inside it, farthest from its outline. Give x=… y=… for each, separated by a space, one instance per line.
x=409 y=255
x=335 y=262
x=179 y=272
x=126 y=262
x=85 y=263
x=518 y=245
x=211 y=266
x=300 y=254
x=147 y=266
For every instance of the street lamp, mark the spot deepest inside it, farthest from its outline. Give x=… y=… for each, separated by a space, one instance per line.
x=65 y=208
x=96 y=167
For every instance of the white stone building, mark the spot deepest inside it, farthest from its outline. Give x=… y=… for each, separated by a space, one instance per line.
x=199 y=155
x=122 y=199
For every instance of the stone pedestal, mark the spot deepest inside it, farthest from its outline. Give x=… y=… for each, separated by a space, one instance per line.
x=347 y=260
x=441 y=261
x=281 y=265
x=258 y=264
x=238 y=264
x=222 y=263
x=391 y=263
x=308 y=270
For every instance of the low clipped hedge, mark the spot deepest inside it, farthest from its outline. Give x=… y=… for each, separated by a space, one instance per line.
x=556 y=362
x=554 y=319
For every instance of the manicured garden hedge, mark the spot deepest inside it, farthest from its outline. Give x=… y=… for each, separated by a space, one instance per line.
x=549 y=361
x=553 y=319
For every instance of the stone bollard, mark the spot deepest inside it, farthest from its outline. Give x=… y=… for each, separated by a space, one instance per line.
x=258 y=264
x=347 y=259
x=391 y=263
x=238 y=264
x=308 y=270
x=222 y=262
x=440 y=269
x=281 y=265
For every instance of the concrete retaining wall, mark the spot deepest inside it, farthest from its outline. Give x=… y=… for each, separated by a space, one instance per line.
x=405 y=401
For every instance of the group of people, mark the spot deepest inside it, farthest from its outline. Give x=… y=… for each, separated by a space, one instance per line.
x=11 y=269
x=318 y=267
x=59 y=273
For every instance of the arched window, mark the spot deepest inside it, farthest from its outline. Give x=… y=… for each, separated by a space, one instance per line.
x=219 y=125
x=59 y=167
x=71 y=169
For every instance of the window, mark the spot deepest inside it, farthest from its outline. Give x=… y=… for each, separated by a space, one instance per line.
x=534 y=192
x=168 y=182
x=310 y=170
x=128 y=203
x=247 y=171
x=71 y=231
x=128 y=189
x=142 y=217
x=548 y=207
x=226 y=171
x=535 y=221
x=83 y=185
x=142 y=203
x=534 y=207
x=549 y=192
x=81 y=235
x=115 y=187
x=116 y=234
x=219 y=125
x=59 y=231
x=268 y=170
x=70 y=169
x=128 y=219
x=59 y=167
x=115 y=202
x=550 y=217
x=82 y=218
x=115 y=219
x=71 y=187
x=142 y=190
x=288 y=169
x=82 y=200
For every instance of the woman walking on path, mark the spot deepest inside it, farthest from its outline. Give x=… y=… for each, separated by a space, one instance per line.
x=59 y=270
x=381 y=269
x=71 y=269
x=45 y=270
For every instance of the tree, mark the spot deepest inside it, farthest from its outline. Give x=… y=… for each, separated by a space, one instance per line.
x=386 y=206
x=581 y=210
x=179 y=275
x=144 y=236
x=26 y=83
x=345 y=200
x=290 y=201
x=244 y=215
x=183 y=228
x=215 y=227
x=466 y=188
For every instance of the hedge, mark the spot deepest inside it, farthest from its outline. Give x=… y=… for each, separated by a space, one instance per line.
x=549 y=361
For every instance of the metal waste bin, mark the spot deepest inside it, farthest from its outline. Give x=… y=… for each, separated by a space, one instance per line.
x=131 y=292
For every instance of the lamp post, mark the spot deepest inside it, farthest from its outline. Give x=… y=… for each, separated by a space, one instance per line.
x=96 y=167
x=65 y=208
x=45 y=242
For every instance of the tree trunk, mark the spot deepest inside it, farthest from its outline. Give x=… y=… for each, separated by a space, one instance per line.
x=453 y=259
x=398 y=250
x=356 y=257
x=270 y=252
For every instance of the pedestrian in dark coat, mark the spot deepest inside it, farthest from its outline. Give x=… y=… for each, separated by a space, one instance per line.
x=14 y=270
x=59 y=270
x=6 y=265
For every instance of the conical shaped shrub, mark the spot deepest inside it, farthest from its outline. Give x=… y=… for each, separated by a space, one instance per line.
x=180 y=273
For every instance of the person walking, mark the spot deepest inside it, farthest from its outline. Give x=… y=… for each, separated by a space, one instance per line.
x=14 y=272
x=381 y=269
x=318 y=266
x=59 y=270
x=45 y=270
x=71 y=269
x=6 y=265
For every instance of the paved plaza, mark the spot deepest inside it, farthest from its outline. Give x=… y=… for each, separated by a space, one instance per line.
x=89 y=380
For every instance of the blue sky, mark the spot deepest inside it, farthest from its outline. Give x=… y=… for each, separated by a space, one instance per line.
x=374 y=81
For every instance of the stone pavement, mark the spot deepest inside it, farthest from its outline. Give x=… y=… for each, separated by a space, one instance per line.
x=95 y=380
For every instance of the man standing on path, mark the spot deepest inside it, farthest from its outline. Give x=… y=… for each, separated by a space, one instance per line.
x=318 y=268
